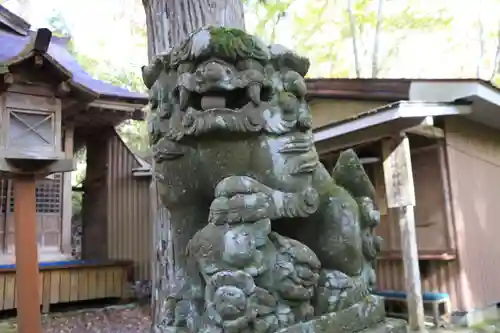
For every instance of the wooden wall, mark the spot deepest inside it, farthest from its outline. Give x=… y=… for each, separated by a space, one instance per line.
x=328 y=111
x=129 y=233
x=439 y=267
x=65 y=285
x=435 y=275
x=435 y=233
x=473 y=152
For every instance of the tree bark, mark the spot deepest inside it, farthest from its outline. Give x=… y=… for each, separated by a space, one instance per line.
x=168 y=23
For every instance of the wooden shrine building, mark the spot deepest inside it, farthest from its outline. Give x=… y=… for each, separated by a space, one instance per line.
x=49 y=109
x=452 y=151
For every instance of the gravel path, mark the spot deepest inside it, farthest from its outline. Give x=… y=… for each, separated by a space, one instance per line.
x=115 y=319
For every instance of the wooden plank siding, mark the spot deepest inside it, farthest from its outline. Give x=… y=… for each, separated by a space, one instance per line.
x=129 y=233
x=69 y=284
x=473 y=155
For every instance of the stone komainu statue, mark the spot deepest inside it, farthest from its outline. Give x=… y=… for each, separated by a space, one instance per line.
x=264 y=238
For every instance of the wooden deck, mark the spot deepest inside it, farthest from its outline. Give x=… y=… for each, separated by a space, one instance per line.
x=69 y=282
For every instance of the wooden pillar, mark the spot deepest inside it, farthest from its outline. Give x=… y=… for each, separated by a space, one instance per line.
x=95 y=197
x=67 y=202
x=400 y=192
x=27 y=271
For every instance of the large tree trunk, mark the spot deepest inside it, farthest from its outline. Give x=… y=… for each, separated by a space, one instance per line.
x=169 y=22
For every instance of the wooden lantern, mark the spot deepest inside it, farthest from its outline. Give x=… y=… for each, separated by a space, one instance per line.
x=31 y=128
x=30 y=148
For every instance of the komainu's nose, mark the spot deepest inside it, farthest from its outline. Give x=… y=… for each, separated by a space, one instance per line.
x=214 y=71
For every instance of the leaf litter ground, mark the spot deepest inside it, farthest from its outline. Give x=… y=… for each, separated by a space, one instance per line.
x=130 y=318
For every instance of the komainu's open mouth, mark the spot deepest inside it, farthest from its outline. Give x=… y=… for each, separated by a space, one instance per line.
x=234 y=99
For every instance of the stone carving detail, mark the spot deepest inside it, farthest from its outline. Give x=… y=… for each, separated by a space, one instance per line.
x=264 y=239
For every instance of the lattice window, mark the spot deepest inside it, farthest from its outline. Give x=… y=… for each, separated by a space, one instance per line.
x=4 y=190
x=32 y=129
x=48 y=208
x=4 y=194
x=48 y=195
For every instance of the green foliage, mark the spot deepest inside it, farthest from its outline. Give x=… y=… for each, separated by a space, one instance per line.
x=399 y=21
x=270 y=13
x=496 y=80
x=80 y=157
x=58 y=25
x=320 y=29
x=134 y=133
x=127 y=79
x=76 y=204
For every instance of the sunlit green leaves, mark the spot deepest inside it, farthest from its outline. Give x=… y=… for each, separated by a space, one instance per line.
x=269 y=14
x=321 y=31
x=133 y=132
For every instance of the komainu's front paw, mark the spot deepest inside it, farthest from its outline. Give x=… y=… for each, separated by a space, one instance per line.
x=240 y=208
x=240 y=199
x=233 y=185
x=243 y=199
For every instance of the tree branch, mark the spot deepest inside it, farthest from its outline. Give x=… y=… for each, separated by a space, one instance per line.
x=480 y=32
x=496 y=66
x=376 y=39
x=352 y=25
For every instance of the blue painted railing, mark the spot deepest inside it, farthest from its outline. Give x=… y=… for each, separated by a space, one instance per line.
x=429 y=297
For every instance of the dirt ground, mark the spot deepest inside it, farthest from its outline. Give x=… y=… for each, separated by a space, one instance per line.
x=133 y=318
x=114 y=319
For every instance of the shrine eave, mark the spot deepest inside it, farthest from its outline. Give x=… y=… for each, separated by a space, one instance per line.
x=17 y=49
x=13 y=22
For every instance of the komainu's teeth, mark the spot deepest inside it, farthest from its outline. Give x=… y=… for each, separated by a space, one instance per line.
x=213 y=102
x=183 y=98
x=253 y=92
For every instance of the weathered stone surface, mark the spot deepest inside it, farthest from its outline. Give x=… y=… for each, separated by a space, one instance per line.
x=389 y=325
x=362 y=315
x=263 y=237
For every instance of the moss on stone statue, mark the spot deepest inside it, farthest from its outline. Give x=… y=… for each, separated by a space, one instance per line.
x=327 y=188
x=236 y=44
x=229 y=44
x=350 y=174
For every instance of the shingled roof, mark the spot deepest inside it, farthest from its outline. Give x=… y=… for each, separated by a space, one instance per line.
x=16 y=45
